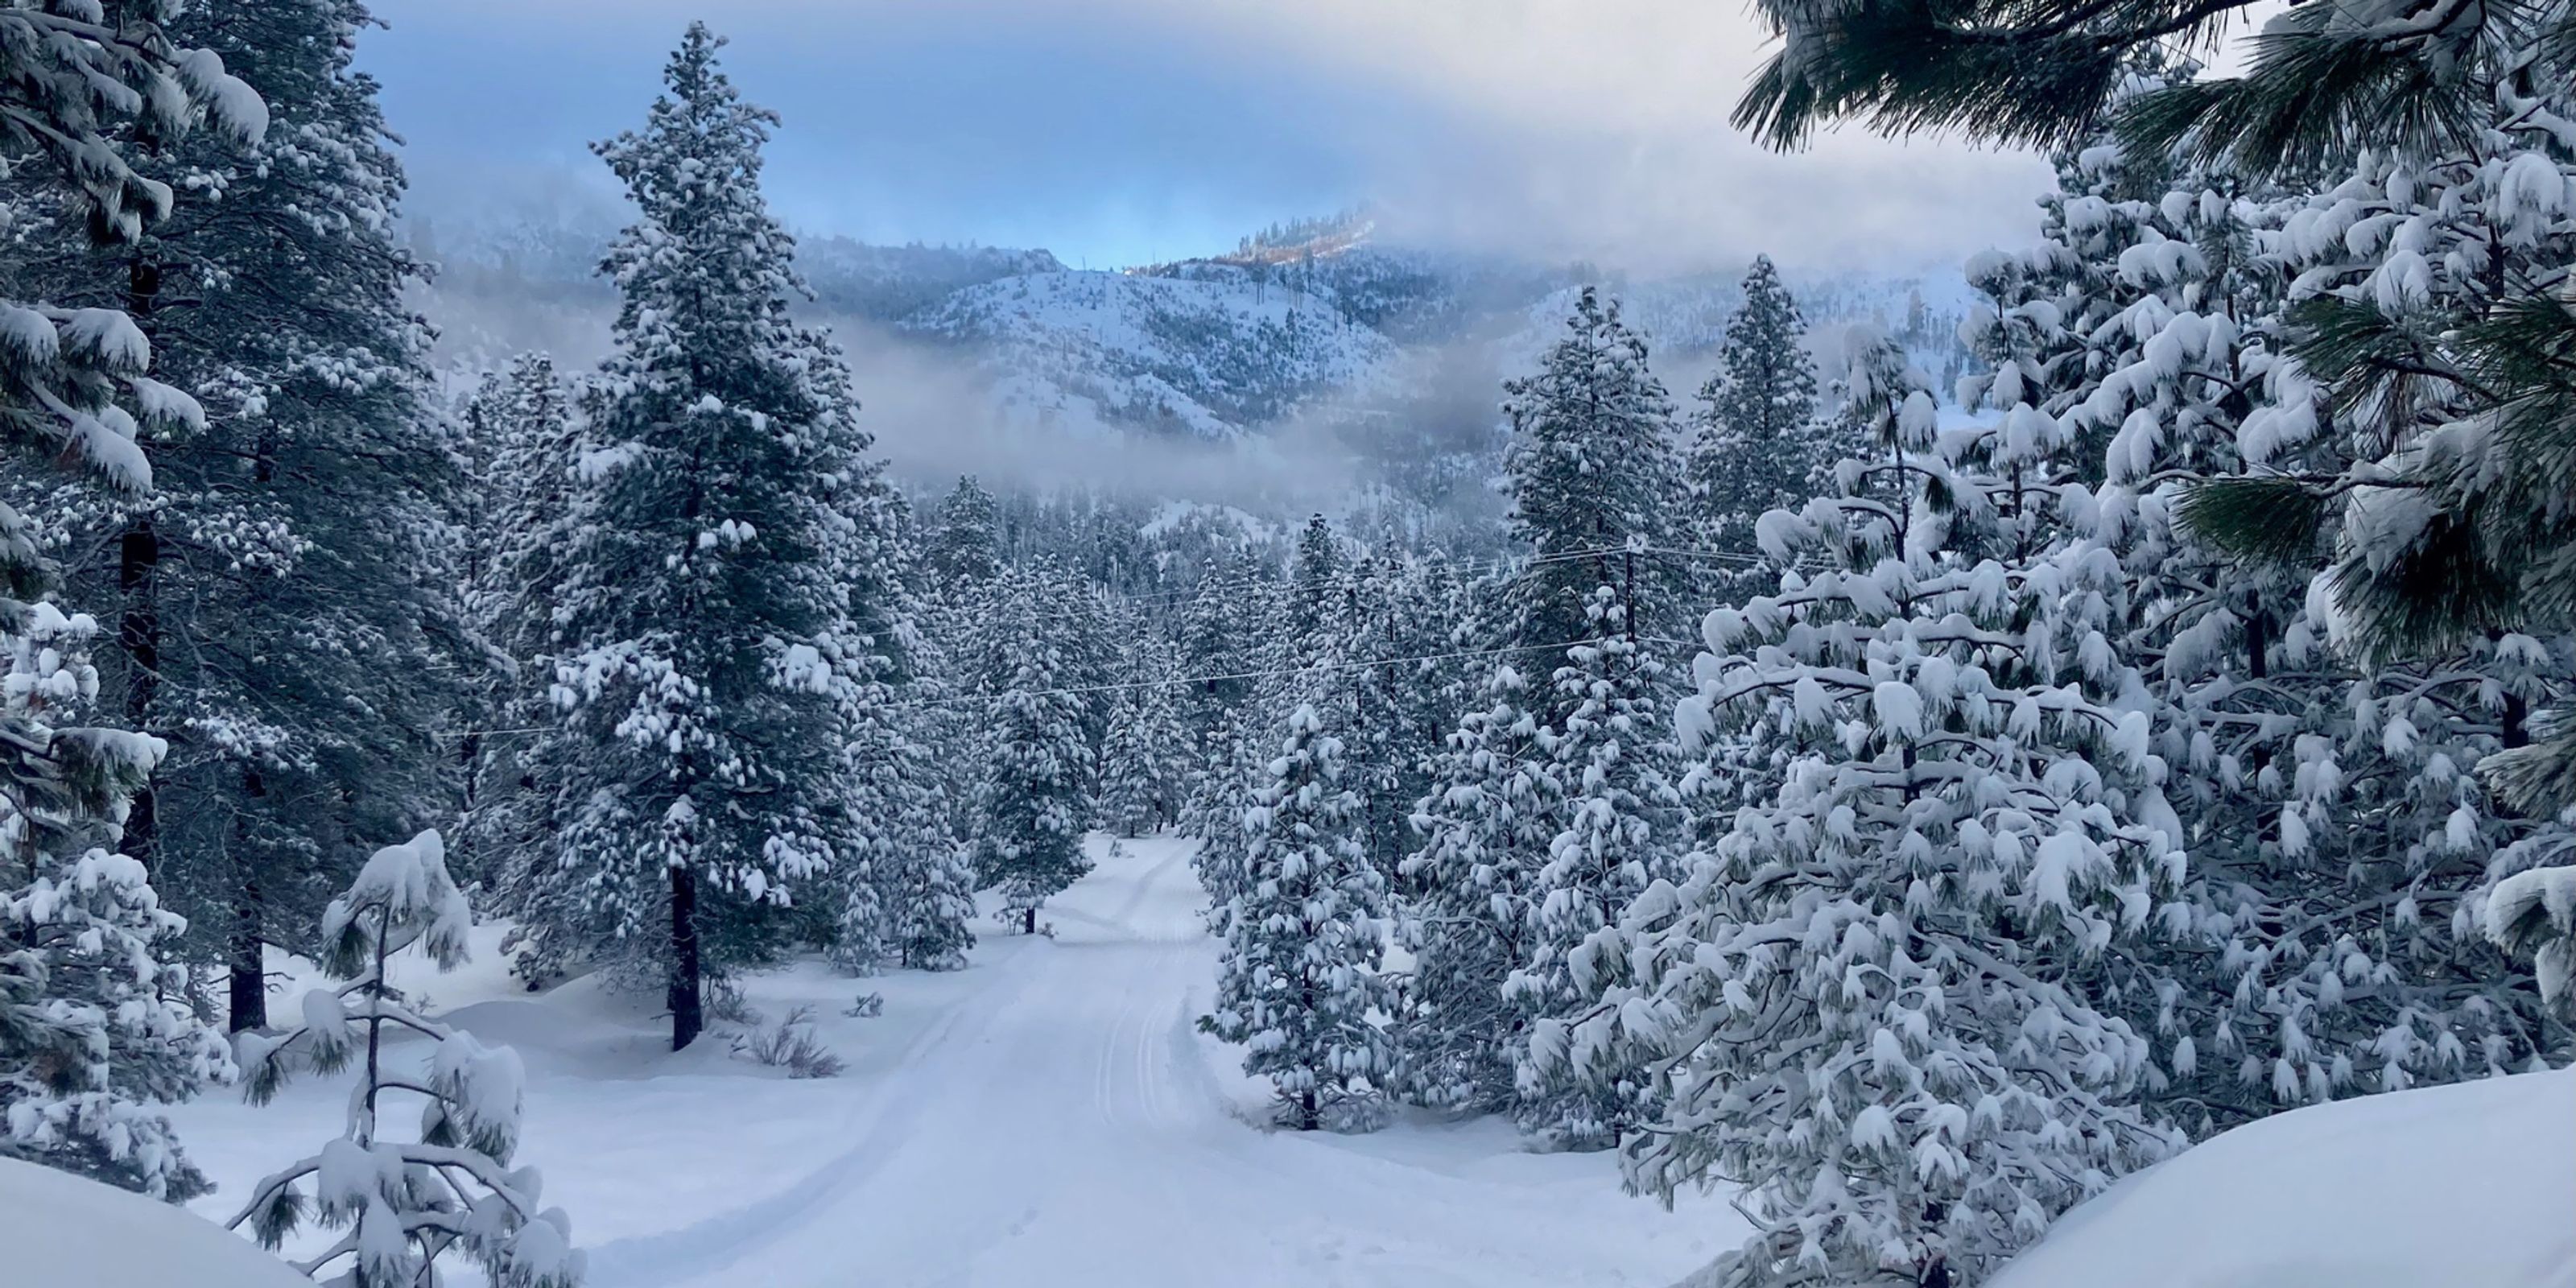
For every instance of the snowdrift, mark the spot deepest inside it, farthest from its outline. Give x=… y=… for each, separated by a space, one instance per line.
x=2471 y=1185
x=64 y=1231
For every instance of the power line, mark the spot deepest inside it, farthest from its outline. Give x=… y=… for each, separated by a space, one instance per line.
x=1242 y=581
x=1086 y=690
x=1271 y=673
x=965 y=699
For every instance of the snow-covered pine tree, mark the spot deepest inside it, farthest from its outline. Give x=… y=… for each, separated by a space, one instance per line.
x=285 y=610
x=1869 y=1005
x=1290 y=630
x=529 y=443
x=1486 y=828
x=903 y=892
x=2532 y=913
x=2344 y=766
x=95 y=1029
x=1755 y=446
x=1144 y=764
x=1316 y=603
x=1217 y=640
x=925 y=882
x=1618 y=830
x=405 y=1204
x=907 y=896
x=700 y=683
x=965 y=547
x=1403 y=694
x=1034 y=794
x=88 y=1032
x=1595 y=483
x=1214 y=642
x=1212 y=813
x=1300 y=982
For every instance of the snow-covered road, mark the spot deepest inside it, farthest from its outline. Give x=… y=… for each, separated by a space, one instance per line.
x=1054 y=1119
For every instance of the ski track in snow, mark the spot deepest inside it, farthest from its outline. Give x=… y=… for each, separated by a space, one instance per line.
x=1057 y=1120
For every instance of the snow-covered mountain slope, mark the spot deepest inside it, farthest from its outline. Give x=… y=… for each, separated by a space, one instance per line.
x=890 y=283
x=1315 y=324
x=63 y=1231
x=2469 y=1184
x=1210 y=357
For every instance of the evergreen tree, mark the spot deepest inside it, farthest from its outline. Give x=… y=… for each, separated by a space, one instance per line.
x=1212 y=814
x=965 y=548
x=1617 y=831
x=1034 y=796
x=95 y=1030
x=904 y=894
x=1756 y=448
x=1594 y=482
x=1314 y=611
x=2345 y=824
x=1218 y=640
x=910 y=897
x=1143 y=763
x=1214 y=643
x=1486 y=829
x=73 y=89
x=286 y=618
x=702 y=685
x=88 y=1033
x=1395 y=612
x=2435 y=138
x=526 y=442
x=406 y=1204
x=1876 y=1003
x=1302 y=946
x=1297 y=632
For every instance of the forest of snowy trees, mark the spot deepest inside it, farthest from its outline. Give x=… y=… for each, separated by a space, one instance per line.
x=1913 y=807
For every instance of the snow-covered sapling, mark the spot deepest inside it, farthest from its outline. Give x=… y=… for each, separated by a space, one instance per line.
x=405 y=1204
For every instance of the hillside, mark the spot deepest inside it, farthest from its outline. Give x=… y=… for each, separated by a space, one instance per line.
x=1393 y=355
x=1162 y=355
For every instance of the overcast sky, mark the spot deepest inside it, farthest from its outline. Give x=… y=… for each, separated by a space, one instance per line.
x=1117 y=132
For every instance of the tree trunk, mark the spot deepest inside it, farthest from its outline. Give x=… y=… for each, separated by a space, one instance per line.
x=249 y=971
x=688 y=1011
x=249 y=983
x=1308 y=1117
x=1029 y=920
x=2258 y=644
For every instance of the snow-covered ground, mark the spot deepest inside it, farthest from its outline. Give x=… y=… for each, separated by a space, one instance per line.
x=64 y=1231
x=2472 y=1184
x=1047 y=1116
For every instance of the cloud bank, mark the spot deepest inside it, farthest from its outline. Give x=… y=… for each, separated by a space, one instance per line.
x=1121 y=131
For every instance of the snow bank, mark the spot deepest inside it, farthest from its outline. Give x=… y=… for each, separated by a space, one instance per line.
x=63 y=1231
x=2473 y=1184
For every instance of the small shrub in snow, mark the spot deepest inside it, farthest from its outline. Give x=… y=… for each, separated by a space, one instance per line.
x=867 y=1007
x=1023 y=919
x=726 y=1003
x=405 y=1204
x=790 y=1044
